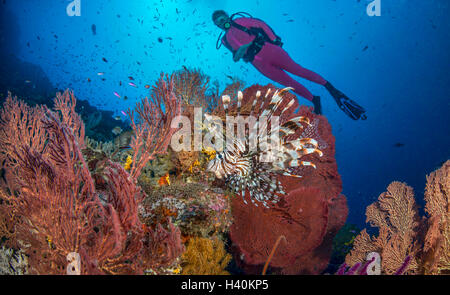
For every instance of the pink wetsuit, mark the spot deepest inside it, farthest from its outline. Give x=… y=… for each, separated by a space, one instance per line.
x=272 y=61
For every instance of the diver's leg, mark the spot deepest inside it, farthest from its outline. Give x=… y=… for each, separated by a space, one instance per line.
x=285 y=62
x=278 y=75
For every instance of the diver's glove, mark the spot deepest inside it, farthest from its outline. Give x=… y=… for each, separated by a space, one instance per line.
x=240 y=52
x=278 y=41
x=348 y=106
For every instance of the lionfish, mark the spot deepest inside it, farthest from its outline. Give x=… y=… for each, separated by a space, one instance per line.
x=256 y=171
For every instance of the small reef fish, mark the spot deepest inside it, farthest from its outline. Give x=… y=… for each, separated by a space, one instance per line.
x=123 y=113
x=117 y=94
x=132 y=84
x=147 y=86
x=100 y=73
x=117 y=118
x=116 y=130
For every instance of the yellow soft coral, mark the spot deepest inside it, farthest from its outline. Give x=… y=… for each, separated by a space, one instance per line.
x=211 y=153
x=196 y=163
x=128 y=163
x=205 y=257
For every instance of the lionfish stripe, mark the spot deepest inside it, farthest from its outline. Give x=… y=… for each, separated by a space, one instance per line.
x=293 y=175
x=301 y=119
x=292 y=125
x=300 y=143
x=296 y=163
x=308 y=151
x=285 y=131
x=288 y=105
x=239 y=97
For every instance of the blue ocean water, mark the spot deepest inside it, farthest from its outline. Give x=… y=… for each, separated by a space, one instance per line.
x=396 y=65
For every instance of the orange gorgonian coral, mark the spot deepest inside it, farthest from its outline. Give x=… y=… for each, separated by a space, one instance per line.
x=437 y=239
x=403 y=234
x=395 y=215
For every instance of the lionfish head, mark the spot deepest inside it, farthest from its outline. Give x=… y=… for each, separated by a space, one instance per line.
x=216 y=166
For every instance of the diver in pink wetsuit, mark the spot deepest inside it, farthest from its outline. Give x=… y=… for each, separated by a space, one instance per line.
x=254 y=41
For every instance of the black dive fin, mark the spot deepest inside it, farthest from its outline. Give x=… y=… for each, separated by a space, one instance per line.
x=348 y=106
x=351 y=108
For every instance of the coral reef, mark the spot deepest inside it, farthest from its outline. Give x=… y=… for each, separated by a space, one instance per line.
x=52 y=203
x=197 y=211
x=205 y=256
x=12 y=262
x=403 y=234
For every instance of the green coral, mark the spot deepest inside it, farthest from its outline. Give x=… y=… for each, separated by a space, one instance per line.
x=343 y=241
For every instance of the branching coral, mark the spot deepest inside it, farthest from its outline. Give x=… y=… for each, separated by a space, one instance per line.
x=50 y=201
x=19 y=123
x=190 y=86
x=205 y=257
x=60 y=211
x=152 y=126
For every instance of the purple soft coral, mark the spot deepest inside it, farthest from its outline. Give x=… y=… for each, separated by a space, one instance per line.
x=361 y=269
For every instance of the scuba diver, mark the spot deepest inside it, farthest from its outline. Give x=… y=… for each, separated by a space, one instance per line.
x=254 y=41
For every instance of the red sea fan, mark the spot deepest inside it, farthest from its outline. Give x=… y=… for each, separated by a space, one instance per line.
x=161 y=246
x=308 y=216
x=152 y=127
x=19 y=123
x=51 y=194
